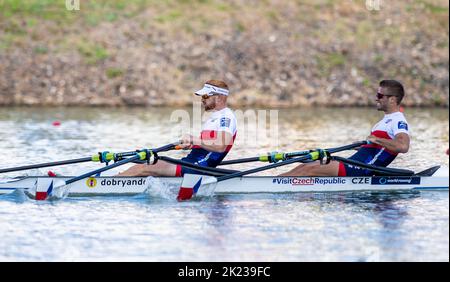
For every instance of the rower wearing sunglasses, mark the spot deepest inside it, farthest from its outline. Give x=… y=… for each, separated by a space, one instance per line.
x=213 y=144
x=388 y=138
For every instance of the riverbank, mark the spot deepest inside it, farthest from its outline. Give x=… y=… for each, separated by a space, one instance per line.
x=154 y=53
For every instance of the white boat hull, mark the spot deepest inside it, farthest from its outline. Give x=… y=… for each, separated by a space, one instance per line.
x=249 y=184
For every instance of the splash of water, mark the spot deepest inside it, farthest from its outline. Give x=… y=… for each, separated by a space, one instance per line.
x=159 y=188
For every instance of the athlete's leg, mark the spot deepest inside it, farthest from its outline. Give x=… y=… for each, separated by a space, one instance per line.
x=161 y=168
x=314 y=169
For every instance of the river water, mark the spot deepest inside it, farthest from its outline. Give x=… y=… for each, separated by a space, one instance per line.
x=362 y=226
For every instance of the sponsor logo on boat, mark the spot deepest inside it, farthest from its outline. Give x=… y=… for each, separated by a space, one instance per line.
x=122 y=182
x=309 y=180
x=361 y=180
x=91 y=182
x=395 y=180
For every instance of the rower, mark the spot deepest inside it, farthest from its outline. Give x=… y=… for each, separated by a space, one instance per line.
x=388 y=138
x=215 y=141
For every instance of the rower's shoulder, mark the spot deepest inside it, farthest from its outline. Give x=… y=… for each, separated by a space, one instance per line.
x=227 y=112
x=399 y=116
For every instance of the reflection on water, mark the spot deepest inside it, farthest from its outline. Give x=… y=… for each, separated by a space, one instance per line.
x=364 y=226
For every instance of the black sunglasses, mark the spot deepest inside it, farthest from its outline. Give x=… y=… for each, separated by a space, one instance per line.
x=380 y=95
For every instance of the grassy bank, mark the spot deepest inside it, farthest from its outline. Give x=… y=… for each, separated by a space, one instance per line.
x=278 y=53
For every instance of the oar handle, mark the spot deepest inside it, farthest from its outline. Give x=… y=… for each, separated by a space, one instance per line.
x=347 y=147
x=168 y=147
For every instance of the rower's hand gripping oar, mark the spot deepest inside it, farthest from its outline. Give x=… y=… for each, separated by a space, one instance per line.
x=149 y=155
x=193 y=182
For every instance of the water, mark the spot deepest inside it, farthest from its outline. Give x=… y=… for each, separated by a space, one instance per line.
x=263 y=227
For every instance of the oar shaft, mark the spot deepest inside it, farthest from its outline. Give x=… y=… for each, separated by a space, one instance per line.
x=117 y=156
x=347 y=147
x=276 y=156
x=258 y=169
x=138 y=156
x=240 y=161
x=19 y=168
x=105 y=168
x=65 y=162
x=390 y=171
x=203 y=169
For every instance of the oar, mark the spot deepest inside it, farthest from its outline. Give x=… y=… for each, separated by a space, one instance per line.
x=192 y=182
x=100 y=157
x=147 y=154
x=271 y=158
x=203 y=169
x=385 y=170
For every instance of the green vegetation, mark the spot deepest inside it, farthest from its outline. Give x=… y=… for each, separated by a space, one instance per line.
x=328 y=62
x=169 y=17
x=319 y=37
x=93 y=53
x=41 y=50
x=431 y=7
x=114 y=72
x=91 y=12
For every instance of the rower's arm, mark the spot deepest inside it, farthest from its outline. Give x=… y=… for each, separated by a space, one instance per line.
x=400 y=144
x=218 y=144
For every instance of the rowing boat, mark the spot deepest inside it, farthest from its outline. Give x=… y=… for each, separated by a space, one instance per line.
x=220 y=181
x=115 y=185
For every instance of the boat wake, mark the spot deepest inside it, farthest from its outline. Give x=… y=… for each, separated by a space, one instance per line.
x=162 y=189
x=158 y=188
x=18 y=196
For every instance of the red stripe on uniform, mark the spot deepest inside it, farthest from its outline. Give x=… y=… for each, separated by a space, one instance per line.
x=342 y=171
x=208 y=135
x=231 y=145
x=380 y=134
x=178 y=171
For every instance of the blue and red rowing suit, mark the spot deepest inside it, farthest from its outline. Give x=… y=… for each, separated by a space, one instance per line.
x=374 y=154
x=223 y=120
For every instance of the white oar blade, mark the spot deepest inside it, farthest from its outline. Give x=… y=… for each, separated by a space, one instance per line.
x=193 y=183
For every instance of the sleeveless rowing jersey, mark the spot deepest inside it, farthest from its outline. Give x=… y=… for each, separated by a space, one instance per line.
x=223 y=120
x=388 y=127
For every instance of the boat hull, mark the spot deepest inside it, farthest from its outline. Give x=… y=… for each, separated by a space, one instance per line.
x=248 y=184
